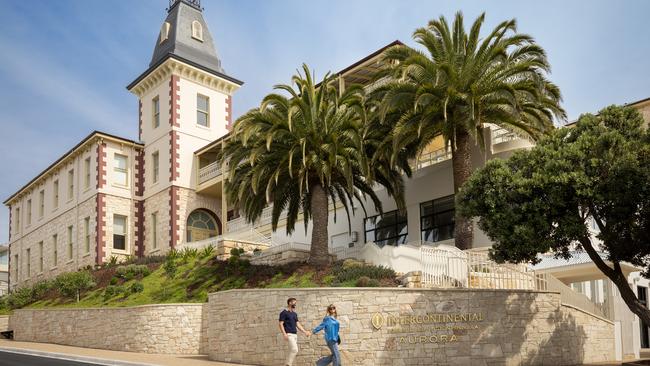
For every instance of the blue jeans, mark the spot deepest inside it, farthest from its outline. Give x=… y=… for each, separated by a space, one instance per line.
x=334 y=358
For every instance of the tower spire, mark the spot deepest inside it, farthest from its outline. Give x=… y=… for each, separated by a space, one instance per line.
x=196 y=4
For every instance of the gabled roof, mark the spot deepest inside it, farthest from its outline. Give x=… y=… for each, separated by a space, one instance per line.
x=64 y=156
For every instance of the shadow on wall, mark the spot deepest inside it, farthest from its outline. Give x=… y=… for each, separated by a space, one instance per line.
x=489 y=327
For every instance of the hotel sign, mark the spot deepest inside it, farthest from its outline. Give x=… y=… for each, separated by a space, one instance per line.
x=427 y=328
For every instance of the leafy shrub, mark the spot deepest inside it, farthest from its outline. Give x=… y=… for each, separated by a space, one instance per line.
x=173 y=254
x=20 y=298
x=40 y=289
x=344 y=273
x=113 y=281
x=207 y=252
x=136 y=287
x=236 y=252
x=112 y=262
x=72 y=284
x=170 y=267
x=366 y=282
x=147 y=259
x=131 y=271
x=189 y=253
x=111 y=291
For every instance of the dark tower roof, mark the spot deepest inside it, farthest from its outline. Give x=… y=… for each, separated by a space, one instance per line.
x=179 y=41
x=176 y=40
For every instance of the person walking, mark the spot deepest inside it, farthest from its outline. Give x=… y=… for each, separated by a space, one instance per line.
x=289 y=326
x=331 y=326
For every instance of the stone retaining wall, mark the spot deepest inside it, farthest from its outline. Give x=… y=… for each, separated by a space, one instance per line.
x=457 y=327
x=171 y=329
x=4 y=323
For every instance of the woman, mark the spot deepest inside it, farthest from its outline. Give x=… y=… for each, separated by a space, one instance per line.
x=331 y=326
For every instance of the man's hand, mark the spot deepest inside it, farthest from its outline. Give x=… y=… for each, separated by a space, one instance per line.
x=308 y=334
x=286 y=337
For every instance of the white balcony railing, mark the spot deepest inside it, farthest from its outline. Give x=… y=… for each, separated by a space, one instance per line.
x=500 y=134
x=432 y=157
x=209 y=171
x=240 y=223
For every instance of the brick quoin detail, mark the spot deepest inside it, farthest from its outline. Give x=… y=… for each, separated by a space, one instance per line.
x=139 y=228
x=139 y=203
x=173 y=217
x=140 y=120
x=174 y=156
x=174 y=99
x=11 y=211
x=101 y=165
x=101 y=227
x=229 y=113
x=139 y=173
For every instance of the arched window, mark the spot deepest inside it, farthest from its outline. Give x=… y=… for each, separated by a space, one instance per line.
x=201 y=225
x=164 y=32
x=197 y=31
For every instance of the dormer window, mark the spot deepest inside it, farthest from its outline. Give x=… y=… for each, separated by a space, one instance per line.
x=164 y=32
x=197 y=31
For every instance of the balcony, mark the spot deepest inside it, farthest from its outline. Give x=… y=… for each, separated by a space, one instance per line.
x=210 y=171
x=504 y=139
x=431 y=157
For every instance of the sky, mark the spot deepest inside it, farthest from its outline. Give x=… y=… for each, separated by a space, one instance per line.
x=64 y=64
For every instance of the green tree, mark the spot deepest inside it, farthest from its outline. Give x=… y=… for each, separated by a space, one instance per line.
x=304 y=153
x=72 y=284
x=542 y=200
x=459 y=83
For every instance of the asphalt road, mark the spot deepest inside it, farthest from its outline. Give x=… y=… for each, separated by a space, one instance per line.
x=15 y=359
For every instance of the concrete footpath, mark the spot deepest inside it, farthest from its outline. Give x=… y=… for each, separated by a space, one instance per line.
x=104 y=357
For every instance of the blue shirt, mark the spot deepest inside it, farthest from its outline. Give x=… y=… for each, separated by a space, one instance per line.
x=290 y=319
x=331 y=326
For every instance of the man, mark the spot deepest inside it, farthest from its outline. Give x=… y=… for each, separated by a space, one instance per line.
x=289 y=326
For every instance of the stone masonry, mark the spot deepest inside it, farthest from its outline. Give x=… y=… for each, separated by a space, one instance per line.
x=169 y=328
x=516 y=327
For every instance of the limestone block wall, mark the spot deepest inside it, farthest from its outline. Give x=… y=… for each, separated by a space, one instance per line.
x=411 y=327
x=159 y=204
x=4 y=323
x=169 y=328
x=27 y=270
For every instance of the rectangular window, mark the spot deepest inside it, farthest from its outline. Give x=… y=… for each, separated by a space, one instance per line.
x=391 y=228
x=87 y=234
x=120 y=171
x=17 y=219
x=437 y=219
x=87 y=173
x=17 y=265
x=29 y=262
x=70 y=184
x=55 y=243
x=155 y=161
x=40 y=257
x=41 y=204
x=70 y=242
x=202 y=110
x=28 y=219
x=55 y=194
x=155 y=106
x=119 y=232
x=154 y=230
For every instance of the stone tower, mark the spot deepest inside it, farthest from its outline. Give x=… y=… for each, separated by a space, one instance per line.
x=185 y=103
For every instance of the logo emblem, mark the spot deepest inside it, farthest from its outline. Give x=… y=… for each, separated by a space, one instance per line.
x=377 y=321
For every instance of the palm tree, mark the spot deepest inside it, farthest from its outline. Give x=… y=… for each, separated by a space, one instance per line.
x=304 y=153
x=460 y=83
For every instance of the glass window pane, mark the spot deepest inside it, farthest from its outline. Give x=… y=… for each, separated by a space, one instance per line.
x=202 y=118
x=119 y=225
x=202 y=103
x=426 y=208
x=120 y=162
x=120 y=178
x=444 y=204
x=445 y=218
x=119 y=242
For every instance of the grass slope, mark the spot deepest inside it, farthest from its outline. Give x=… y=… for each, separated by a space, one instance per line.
x=195 y=277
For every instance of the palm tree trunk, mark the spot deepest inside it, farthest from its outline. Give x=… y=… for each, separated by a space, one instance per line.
x=319 y=252
x=462 y=166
